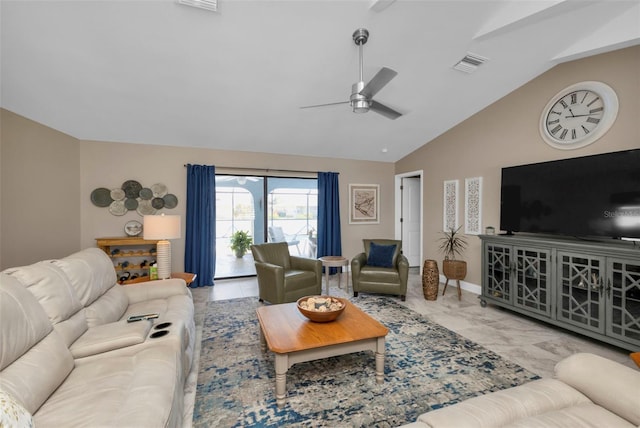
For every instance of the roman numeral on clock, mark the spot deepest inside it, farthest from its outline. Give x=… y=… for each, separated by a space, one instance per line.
x=556 y=129
x=594 y=100
x=563 y=134
x=593 y=120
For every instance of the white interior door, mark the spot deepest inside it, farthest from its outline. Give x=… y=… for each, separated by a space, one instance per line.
x=410 y=223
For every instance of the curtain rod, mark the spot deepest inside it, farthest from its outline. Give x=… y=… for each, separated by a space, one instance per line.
x=265 y=169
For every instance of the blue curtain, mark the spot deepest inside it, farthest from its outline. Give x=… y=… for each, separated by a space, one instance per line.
x=200 y=241
x=329 y=237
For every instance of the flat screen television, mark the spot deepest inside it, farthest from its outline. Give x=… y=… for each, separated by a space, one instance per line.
x=590 y=196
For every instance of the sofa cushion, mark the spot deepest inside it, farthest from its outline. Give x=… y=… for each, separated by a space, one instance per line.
x=90 y=272
x=50 y=287
x=584 y=415
x=378 y=274
x=140 y=390
x=19 y=331
x=33 y=358
x=110 y=307
x=381 y=255
x=55 y=294
x=507 y=406
x=596 y=377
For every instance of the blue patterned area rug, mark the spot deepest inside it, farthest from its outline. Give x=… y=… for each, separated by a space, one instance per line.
x=426 y=367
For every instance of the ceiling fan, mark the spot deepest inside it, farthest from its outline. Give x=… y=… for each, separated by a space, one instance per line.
x=361 y=99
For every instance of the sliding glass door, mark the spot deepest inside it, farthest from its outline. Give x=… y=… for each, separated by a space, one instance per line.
x=269 y=209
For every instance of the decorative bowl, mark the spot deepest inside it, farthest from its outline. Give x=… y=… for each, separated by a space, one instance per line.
x=321 y=308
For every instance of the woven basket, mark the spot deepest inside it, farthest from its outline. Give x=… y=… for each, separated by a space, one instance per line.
x=454 y=269
x=430 y=279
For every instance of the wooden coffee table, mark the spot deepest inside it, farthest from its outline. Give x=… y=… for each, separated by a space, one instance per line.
x=295 y=339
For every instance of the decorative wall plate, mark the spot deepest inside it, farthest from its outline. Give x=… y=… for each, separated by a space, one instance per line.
x=131 y=203
x=101 y=197
x=170 y=200
x=159 y=190
x=117 y=194
x=146 y=193
x=157 y=203
x=131 y=188
x=145 y=208
x=132 y=196
x=133 y=228
x=117 y=208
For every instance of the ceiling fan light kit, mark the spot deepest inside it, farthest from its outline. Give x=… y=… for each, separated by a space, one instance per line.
x=361 y=99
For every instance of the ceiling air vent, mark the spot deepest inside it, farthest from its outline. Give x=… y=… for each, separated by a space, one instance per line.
x=470 y=63
x=211 y=5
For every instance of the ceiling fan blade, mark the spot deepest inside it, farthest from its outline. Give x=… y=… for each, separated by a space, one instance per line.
x=384 y=110
x=378 y=82
x=328 y=104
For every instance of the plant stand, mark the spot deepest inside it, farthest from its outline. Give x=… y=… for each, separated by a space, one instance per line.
x=454 y=269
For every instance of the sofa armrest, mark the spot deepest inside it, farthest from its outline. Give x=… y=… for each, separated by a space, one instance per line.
x=107 y=337
x=607 y=383
x=358 y=262
x=270 y=281
x=161 y=289
x=403 y=269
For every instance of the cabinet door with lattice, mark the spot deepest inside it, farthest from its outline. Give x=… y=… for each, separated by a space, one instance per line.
x=623 y=292
x=580 y=282
x=532 y=276
x=497 y=281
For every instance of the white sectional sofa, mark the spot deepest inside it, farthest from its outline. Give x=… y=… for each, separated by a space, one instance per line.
x=587 y=391
x=69 y=357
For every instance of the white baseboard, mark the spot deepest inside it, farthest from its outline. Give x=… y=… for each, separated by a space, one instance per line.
x=468 y=286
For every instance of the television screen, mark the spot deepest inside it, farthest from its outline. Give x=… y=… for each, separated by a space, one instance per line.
x=595 y=195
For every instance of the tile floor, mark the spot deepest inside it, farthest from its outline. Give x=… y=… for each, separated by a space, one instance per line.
x=532 y=344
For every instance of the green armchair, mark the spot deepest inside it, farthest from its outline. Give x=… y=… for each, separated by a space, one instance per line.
x=381 y=268
x=283 y=278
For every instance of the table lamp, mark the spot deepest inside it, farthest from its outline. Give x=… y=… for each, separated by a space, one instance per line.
x=162 y=227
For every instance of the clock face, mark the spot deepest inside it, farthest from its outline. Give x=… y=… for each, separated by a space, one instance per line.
x=578 y=115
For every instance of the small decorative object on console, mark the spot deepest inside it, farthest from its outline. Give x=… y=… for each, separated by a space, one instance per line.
x=321 y=308
x=133 y=228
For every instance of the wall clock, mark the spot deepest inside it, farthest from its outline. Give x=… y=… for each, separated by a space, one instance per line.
x=578 y=115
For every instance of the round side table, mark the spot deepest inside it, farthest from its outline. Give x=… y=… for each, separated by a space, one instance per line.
x=335 y=261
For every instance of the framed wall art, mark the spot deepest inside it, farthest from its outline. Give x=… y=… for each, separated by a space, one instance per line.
x=450 y=215
x=364 y=203
x=473 y=205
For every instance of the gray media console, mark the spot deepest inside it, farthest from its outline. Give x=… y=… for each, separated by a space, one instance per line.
x=591 y=288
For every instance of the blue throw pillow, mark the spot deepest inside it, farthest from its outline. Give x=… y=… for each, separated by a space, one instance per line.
x=381 y=255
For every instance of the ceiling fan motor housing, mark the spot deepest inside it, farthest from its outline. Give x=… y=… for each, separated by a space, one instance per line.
x=359 y=102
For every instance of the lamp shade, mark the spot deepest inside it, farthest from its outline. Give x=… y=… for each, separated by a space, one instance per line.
x=161 y=227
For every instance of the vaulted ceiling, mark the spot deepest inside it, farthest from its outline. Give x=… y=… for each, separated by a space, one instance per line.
x=158 y=72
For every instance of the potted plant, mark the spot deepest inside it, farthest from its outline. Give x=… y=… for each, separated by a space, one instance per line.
x=240 y=242
x=452 y=244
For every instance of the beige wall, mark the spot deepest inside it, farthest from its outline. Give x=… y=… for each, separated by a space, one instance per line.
x=506 y=133
x=40 y=185
x=110 y=164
